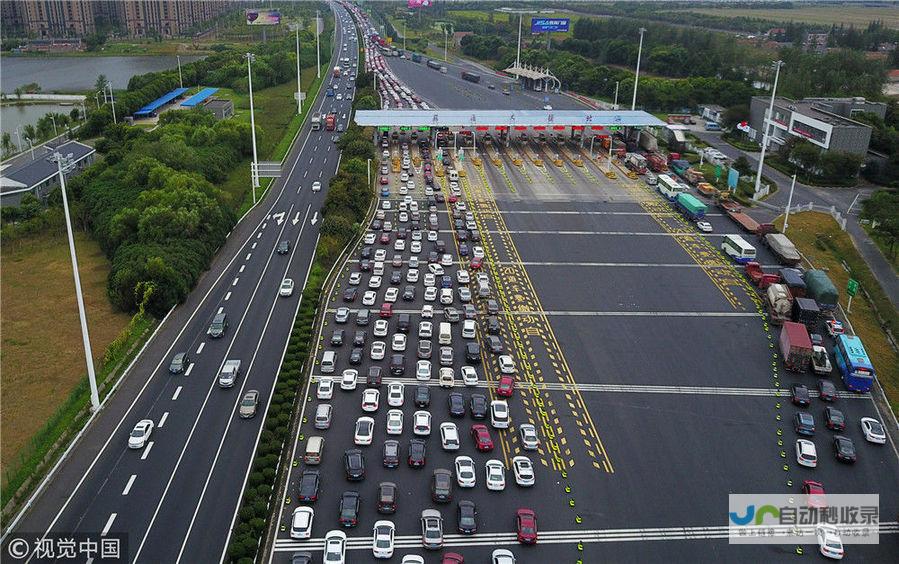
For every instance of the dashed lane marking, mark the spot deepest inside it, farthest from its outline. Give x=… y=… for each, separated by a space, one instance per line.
x=130 y=483
x=200 y=348
x=147 y=450
x=108 y=524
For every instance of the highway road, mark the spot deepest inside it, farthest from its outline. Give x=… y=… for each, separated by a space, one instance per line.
x=175 y=499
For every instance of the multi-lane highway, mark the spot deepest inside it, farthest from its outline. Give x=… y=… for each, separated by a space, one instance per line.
x=175 y=499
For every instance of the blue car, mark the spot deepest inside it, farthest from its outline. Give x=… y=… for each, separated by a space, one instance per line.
x=329 y=93
x=385 y=193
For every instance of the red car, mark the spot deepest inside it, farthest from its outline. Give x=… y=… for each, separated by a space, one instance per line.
x=452 y=198
x=815 y=492
x=386 y=310
x=384 y=180
x=452 y=558
x=476 y=263
x=481 y=436
x=385 y=238
x=506 y=386
x=526 y=523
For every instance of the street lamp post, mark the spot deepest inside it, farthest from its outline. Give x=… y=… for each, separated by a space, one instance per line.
x=112 y=99
x=64 y=163
x=518 y=51
x=254 y=171
x=318 y=49
x=637 y=76
x=789 y=203
x=617 y=83
x=299 y=90
x=97 y=98
x=445 y=40
x=404 y=35
x=766 y=123
x=18 y=139
x=180 y=81
x=55 y=131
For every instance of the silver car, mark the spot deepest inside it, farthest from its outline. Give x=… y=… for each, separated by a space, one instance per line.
x=431 y=529
x=248 y=404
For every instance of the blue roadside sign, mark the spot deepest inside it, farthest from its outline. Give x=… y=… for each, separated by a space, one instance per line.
x=544 y=25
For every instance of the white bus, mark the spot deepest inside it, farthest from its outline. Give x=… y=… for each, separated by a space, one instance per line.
x=669 y=187
x=738 y=249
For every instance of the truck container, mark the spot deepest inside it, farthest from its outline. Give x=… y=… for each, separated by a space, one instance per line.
x=795 y=346
x=758 y=277
x=434 y=64
x=783 y=248
x=229 y=373
x=330 y=121
x=679 y=166
x=821 y=361
x=726 y=204
x=635 y=162
x=316 y=122
x=819 y=287
x=471 y=77
x=690 y=206
x=792 y=277
x=745 y=222
x=807 y=312
x=779 y=303
x=416 y=57
x=656 y=162
x=707 y=189
x=336 y=72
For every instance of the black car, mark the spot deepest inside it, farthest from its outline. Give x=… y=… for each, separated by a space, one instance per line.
x=799 y=395
x=409 y=293
x=376 y=225
x=473 y=352
x=844 y=449
x=403 y=323
x=492 y=307
x=493 y=325
x=373 y=378
x=456 y=404
x=804 y=424
x=179 y=363
x=387 y=498
x=417 y=453
x=366 y=253
x=337 y=337
x=309 y=484
x=463 y=249
x=826 y=390
x=363 y=317
x=349 y=509
x=354 y=464
x=475 y=235
x=466 y=514
x=834 y=419
x=478 y=406
x=396 y=277
x=433 y=257
x=461 y=234
x=397 y=365
x=391 y=453
x=365 y=265
x=356 y=356
x=440 y=246
x=442 y=486
x=283 y=247
x=218 y=326
x=439 y=197
x=469 y=311
x=349 y=295
x=402 y=233
x=422 y=396
x=359 y=338
x=301 y=558
x=495 y=344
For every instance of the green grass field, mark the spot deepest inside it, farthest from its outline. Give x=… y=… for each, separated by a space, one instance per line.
x=854 y=14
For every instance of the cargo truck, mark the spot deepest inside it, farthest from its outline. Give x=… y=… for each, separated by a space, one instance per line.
x=656 y=162
x=330 y=121
x=779 y=303
x=316 y=122
x=433 y=64
x=807 y=312
x=690 y=206
x=783 y=248
x=471 y=77
x=707 y=189
x=748 y=224
x=635 y=162
x=819 y=287
x=336 y=72
x=795 y=346
x=792 y=277
x=758 y=277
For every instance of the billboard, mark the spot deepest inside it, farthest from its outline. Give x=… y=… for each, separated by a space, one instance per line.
x=544 y=25
x=263 y=16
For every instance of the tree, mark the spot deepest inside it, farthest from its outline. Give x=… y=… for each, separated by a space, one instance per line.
x=100 y=85
x=6 y=142
x=734 y=115
x=18 y=92
x=883 y=208
x=806 y=156
x=742 y=165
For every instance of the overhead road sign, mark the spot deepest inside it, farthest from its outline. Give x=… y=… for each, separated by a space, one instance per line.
x=612 y=119
x=546 y=25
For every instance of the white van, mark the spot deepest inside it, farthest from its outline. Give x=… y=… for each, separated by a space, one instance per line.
x=328 y=362
x=453 y=175
x=446 y=336
x=314 y=448
x=738 y=249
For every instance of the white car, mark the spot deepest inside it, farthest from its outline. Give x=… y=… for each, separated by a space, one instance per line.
x=806 y=454
x=370 y=238
x=449 y=436
x=395 y=394
x=446 y=296
x=423 y=370
x=430 y=294
x=370 y=400
x=496 y=475
x=430 y=279
x=432 y=236
x=348 y=379
x=395 y=422
x=301 y=523
x=381 y=254
x=446 y=259
x=464 y=294
x=400 y=244
x=704 y=226
x=369 y=297
x=502 y=556
x=477 y=251
x=391 y=294
x=382 y=545
x=528 y=433
x=381 y=327
x=446 y=379
x=399 y=343
x=335 y=547
x=412 y=274
x=465 y=475
x=416 y=235
x=547 y=107
x=386 y=205
x=436 y=269
x=524 y=471
x=469 y=375
x=829 y=543
x=325 y=389
x=499 y=414
x=378 y=349
x=427 y=311
x=422 y=423
x=365 y=431
x=506 y=364
x=415 y=247
x=355 y=278
x=286 y=289
x=316 y=186
x=140 y=434
x=873 y=430
x=462 y=276
x=425 y=328
x=374 y=282
x=468 y=328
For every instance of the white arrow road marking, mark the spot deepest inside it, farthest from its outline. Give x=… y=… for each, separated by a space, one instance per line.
x=314 y=219
x=296 y=219
x=279 y=217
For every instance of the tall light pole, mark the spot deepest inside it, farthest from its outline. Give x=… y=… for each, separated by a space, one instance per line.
x=766 y=123
x=19 y=138
x=299 y=90
x=254 y=169
x=180 y=81
x=63 y=164
x=445 y=39
x=617 y=83
x=53 y=119
x=318 y=49
x=518 y=51
x=637 y=76
x=112 y=99
x=404 y=35
x=789 y=203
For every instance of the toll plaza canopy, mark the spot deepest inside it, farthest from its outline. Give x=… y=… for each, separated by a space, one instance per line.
x=199 y=97
x=151 y=108
x=516 y=119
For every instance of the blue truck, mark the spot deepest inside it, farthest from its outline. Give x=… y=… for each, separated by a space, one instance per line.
x=690 y=206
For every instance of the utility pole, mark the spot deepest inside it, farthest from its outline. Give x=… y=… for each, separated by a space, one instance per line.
x=789 y=203
x=617 y=83
x=112 y=99
x=180 y=80
x=318 y=49
x=404 y=35
x=53 y=119
x=768 y=117
x=518 y=52
x=254 y=171
x=299 y=90
x=63 y=164
x=637 y=76
x=445 y=39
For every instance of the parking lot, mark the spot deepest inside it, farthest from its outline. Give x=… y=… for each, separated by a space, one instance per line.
x=642 y=362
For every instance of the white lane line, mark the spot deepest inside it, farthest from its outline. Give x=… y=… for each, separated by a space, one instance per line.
x=254 y=246
x=320 y=174
x=235 y=282
x=147 y=450
x=305 y=172
x=264 y=225
x=177 y=393
x=222 y=308
x=129 y=484
x=227 y=296
x=259 y=235
x=637 y=313
x=243 y=266
x=248 y=257
x=310 y=160
x=200 y=348
x=162 y=420
x=109 y=523
x=190 y=368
